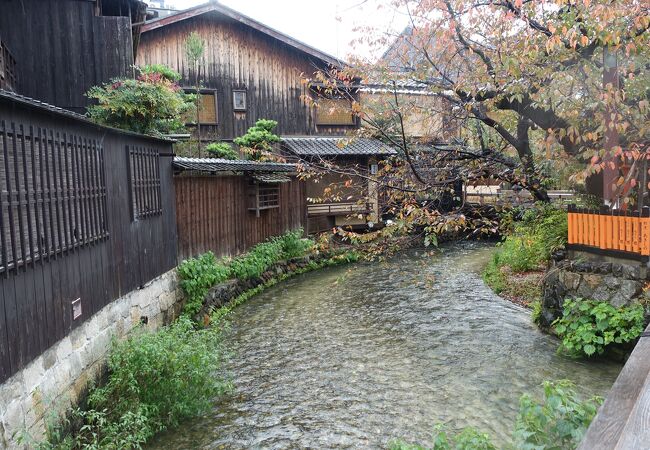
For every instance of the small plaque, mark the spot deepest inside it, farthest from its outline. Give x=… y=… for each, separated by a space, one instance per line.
x=76 y=309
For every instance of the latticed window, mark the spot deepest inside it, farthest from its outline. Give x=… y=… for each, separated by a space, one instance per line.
x=264 y=191
x=334 y=111
x=52 y=193
x=144 y=179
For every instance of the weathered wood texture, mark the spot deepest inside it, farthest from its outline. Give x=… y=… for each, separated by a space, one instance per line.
x=213 y=214
x=7 y=68
x=66 y=228
x=623 y=421
x=62 y=49
x=240 y=57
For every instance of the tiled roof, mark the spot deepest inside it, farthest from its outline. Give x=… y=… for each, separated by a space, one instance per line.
x=336 y=146
x=229 y=165
x=271 y=178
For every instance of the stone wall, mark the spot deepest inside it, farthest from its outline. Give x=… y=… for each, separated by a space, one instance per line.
x=59 y=377
x=576 y=276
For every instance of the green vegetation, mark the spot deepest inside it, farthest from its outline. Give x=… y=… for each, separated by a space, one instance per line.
x=259 y=139
x=528 y=245
x=152 y=104
x=199 y=274
x=341 y=258
x=155 y=380
x=557 y=422
x=221 y=150
x=587 y=327
x=261 y=257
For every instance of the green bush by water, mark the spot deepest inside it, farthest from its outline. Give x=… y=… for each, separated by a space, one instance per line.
x=155 y=380
x=542 y=230
x=199 y=274
x=557 y=422
x=587 y=327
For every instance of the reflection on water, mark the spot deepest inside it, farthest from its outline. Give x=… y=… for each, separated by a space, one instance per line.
x=352 y=357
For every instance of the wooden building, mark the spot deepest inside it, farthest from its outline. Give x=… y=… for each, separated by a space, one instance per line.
x=342 y=194
x=227 y=206
x=249 y=71
x=61 y=48
x=86 y=216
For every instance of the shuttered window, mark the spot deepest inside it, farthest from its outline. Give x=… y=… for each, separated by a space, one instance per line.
x=144 y=179
x=334 y=111
x=208 y=111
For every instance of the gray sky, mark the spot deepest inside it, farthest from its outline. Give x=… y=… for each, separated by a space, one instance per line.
x=315 y=22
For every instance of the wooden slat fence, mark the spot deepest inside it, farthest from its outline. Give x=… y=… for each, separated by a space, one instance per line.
x=213 y=214
x=610 y=230
x=67 y=231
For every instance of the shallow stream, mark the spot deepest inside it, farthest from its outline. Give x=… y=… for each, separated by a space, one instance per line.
x=352 y=357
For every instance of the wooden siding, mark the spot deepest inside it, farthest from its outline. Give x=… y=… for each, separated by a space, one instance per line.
x=239 y=57
x=83 y=200
x=62 y=49
x=7 y=68
x=213 y=215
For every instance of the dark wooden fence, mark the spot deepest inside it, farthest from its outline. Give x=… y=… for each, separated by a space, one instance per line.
x=213 y=214
x=85 y=213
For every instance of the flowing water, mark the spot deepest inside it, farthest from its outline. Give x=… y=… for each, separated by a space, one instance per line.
x=352 y=357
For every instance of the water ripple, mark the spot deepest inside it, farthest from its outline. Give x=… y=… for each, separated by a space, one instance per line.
x=353 y=357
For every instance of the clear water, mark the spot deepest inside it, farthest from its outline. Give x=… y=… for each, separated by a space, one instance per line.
x=352 y=357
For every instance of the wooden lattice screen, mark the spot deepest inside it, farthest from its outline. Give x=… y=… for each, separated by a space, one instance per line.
x=53 y=193
x=144 y=176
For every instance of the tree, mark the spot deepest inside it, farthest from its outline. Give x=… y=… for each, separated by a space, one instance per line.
x=153 y=103
x=527 y=75
x=259 y=139
x=194 y=50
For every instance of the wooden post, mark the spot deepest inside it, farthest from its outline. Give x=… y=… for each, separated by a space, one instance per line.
x=610 y=76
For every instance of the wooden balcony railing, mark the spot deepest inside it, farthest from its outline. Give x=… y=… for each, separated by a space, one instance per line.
x=7 y=69
x=610 y=230
x=338 y=209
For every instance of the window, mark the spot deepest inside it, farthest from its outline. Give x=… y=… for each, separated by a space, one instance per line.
x=264 y=192
x=334 y=111
x=144 y=179
x=53 y=196
x=239 y=100
x=208 y=108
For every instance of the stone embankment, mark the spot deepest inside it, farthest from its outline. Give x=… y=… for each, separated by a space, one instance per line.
x=617 y=282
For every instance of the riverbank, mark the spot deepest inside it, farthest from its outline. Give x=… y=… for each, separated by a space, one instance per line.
x=355 y=356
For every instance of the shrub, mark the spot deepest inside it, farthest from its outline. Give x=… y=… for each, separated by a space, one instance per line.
x=221 y=150
x=151 y=104
x=468 y=439
x=198 y=275
x=261 y=257
x=541 y=231
x=558 y=422
x=155 y=380
x=587 y=327
x=259 y=139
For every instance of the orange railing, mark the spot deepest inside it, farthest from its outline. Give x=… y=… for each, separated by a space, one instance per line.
x=626 y=231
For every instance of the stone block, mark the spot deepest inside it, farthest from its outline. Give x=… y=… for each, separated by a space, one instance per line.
x=33 y=374
x=63 y=348
x=10 y=389
x=14 y=418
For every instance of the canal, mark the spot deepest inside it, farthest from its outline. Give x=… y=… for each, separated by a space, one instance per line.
x=352 y=357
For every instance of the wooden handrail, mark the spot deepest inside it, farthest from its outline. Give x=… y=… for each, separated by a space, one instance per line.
x=627 y=231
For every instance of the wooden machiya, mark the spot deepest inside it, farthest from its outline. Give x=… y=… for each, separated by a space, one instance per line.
x=249 y=71
x=227 y=206
x=62 y=48
x=87 y=215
